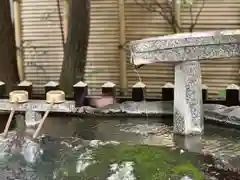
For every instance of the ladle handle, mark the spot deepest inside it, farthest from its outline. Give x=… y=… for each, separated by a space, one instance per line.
x=35 y=135
x=5 y=133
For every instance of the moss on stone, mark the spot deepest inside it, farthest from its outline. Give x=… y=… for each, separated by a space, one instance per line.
x=150 y=162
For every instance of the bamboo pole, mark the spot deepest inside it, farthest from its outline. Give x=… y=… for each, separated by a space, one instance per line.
x=122 y=40
x=35 y=135
x=65 y=19
x=18 y=39
x=9 y=121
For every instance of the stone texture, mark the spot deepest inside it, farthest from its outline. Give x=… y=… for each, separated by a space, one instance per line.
x=188 y=115
x=197 y=53
x=186 y=39
x=186 y=47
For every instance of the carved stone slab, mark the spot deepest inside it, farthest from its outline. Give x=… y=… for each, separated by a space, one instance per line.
x=186 y=47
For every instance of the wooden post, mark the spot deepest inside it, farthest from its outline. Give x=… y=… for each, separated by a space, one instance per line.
x=65 y=19
x=138 y=91
x=109 y=89
x=122 y=40
x=26 y=86
x=204 y=93
x=168 y=92
x=50 y=86
x=2 y=89
x=80 y=92
x=18 y=38
x=232 y=95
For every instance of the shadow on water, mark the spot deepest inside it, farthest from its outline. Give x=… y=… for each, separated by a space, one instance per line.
x=221 y=142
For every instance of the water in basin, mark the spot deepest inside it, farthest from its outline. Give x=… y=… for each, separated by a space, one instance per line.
x=120 y=148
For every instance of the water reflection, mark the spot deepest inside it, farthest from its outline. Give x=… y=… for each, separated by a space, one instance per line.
x=217 y=140
x=190 y=143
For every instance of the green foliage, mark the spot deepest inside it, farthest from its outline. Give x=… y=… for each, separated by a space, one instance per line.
x=222 y=93
x=188 y=169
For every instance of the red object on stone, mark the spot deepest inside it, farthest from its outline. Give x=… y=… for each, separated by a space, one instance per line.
x=103 y=101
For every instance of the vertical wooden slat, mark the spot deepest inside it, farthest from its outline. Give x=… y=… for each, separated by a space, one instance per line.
x=122 y=39
x=103 y=57
x=65 y=20
x=140 y=23
x=42 y=42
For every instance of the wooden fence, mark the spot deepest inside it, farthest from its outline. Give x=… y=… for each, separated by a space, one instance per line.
x=113 y=24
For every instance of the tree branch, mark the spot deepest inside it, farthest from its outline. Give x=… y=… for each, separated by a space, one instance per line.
x=61 y=22
x=169 y=10
x=197 y=16
x=162 y=11
x=191 y=16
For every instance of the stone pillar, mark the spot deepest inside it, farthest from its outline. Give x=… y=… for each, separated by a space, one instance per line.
x=188 y=106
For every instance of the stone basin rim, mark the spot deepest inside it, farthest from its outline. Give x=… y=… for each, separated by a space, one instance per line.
x=198 y=34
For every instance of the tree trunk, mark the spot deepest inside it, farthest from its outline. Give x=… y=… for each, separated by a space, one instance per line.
x=8 y=67
x=75 y=50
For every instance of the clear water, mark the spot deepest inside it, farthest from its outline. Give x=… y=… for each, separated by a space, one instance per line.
x=75 y=132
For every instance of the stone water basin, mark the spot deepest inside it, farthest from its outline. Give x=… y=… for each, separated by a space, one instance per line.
x=121 y=148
